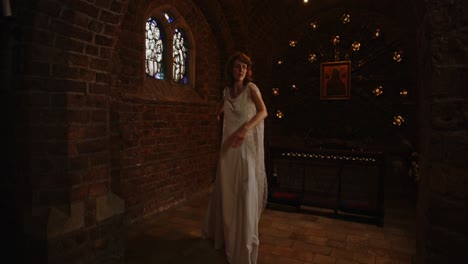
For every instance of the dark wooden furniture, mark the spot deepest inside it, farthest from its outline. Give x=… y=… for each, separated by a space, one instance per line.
x=349 y=183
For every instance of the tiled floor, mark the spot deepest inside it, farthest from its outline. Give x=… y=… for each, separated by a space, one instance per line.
x=285 y=237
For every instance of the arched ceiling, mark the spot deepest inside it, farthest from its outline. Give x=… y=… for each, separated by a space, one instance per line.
x=252 y=22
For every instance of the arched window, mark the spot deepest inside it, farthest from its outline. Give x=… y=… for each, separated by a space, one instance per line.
x=162 y=28
x=180 y=57
x=154 y=62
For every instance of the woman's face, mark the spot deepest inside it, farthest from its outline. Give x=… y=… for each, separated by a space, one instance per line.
x=239 y=70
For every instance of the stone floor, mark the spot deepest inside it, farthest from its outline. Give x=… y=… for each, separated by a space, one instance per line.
x=173 y=237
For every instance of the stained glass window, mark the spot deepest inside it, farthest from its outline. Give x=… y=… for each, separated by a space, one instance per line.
x=179 y=57
x=154 y=50
x=168 y=17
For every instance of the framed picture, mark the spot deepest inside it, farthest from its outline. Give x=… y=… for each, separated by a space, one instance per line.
x=335 y=80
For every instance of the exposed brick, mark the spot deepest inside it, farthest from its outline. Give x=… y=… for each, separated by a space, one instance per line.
x=85 y=8
x=116 y=6
x=75 y=99
x=103 y=40
x=92 y=50
x=62 y=71
x=71 y=31
x=99 y=64
x=86 y=75
x=66 y=86
x=103 y=3
x=108 y=17
x=51 y=8
x=66 y=43
x=76 y=18
x=91 y=146
x=78 y=60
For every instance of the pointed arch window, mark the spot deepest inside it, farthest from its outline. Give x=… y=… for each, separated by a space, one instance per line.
x=168 y=54
x=154 y=50
x=180 y=57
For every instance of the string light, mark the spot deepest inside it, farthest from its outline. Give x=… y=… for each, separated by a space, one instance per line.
x=312 y=57
x=345 y=18
x=335 y=40
x=398 y=56
x=378 y=90
x=355 y=46
x=279 y=114
x=377 y=33
x=275 y=91
x=314 y=25
x=398 y=120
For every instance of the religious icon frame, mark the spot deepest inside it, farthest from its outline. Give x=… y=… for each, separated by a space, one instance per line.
x=342 y=89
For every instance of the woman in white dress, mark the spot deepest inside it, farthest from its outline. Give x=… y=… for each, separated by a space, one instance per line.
x=240 y=190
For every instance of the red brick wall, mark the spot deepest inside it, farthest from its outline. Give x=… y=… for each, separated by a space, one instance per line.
x=85 y=124
x=164 y=137
x=162 y=154
x=61 y=81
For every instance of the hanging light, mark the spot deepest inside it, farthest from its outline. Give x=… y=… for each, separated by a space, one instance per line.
x=378 y=90
x=280 y=62
x=345 y=18
x=398 y=55
x=355 y=46
x=335 y=40
x=275 y=91
x=312 y=57
x=293 y=43
x=377 y=33
x=398 y=120
x=279 y=114
x=404 y=93
x=294 y=87
x=314 y=25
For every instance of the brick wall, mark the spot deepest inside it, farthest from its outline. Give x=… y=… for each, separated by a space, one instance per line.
x=93 y=146
x=442 y=218
x=163 y=154
x=164 y=136
x=62 y=77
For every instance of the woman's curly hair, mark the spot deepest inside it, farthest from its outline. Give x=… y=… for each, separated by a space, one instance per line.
x=230 y=64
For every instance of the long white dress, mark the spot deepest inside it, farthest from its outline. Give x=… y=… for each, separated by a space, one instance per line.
x=240 y=190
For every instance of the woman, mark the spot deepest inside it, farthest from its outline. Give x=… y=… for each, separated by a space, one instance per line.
x=240 y=192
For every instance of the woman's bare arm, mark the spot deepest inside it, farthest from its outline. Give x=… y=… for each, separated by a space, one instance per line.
x=257 y=118
x=220 y=110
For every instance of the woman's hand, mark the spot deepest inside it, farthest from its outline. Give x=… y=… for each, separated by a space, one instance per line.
x=220 y=110
x=218 y=115
x=238 y=137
